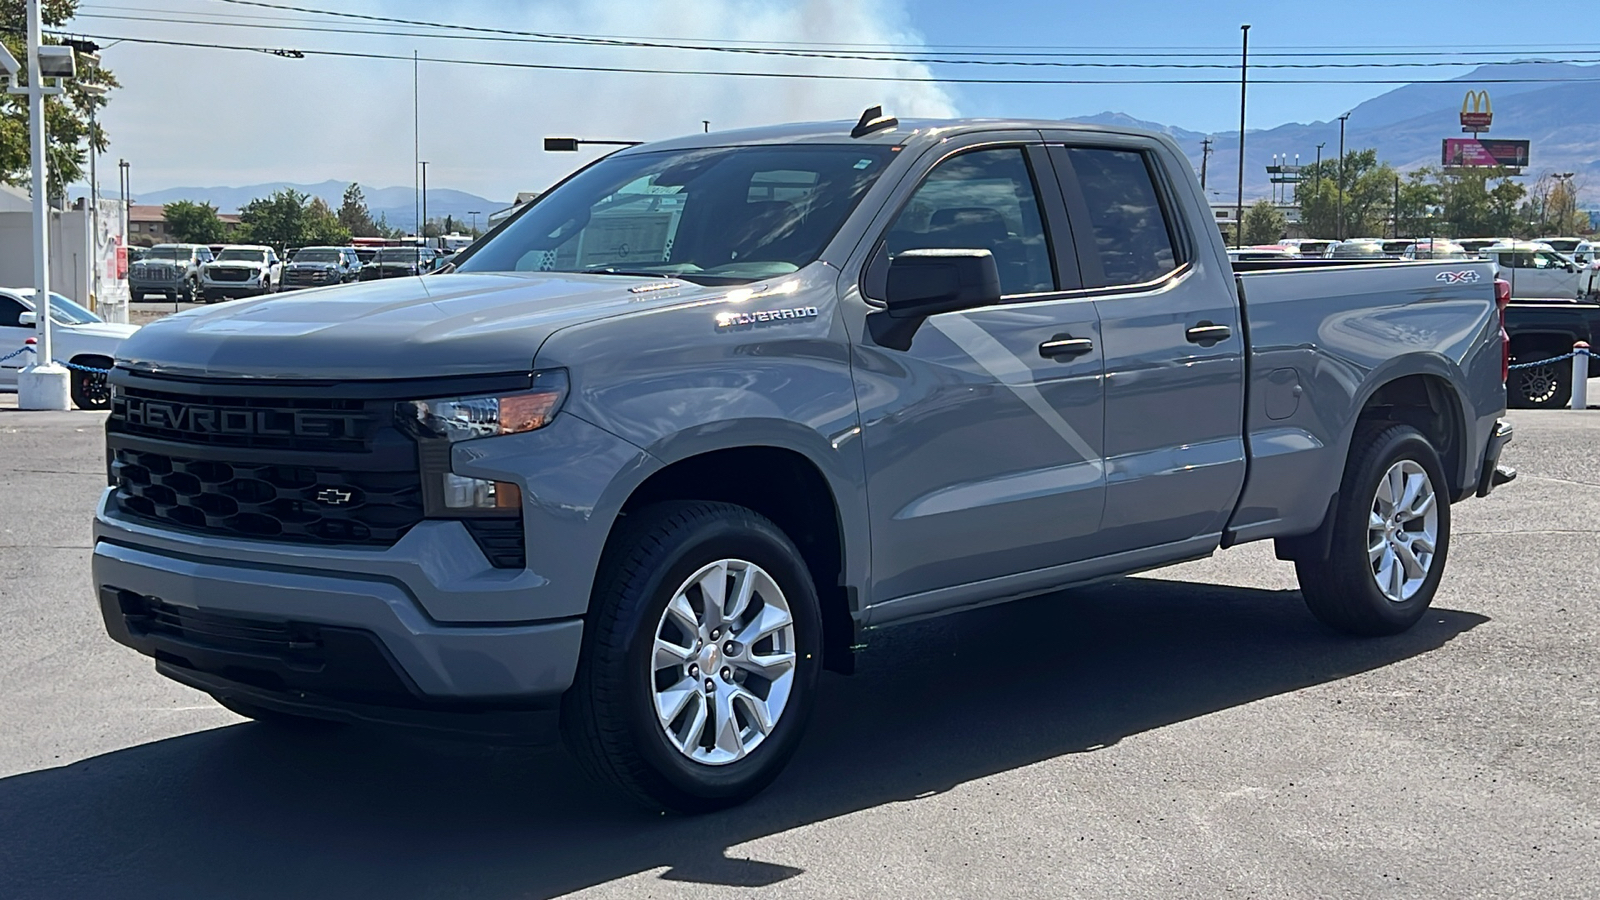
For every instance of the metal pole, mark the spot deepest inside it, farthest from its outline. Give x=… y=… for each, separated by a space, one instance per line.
x=1340 y=228
x=423 y=231
x=1397 y=207
x=41 y=207
x=416 y=142
x=1244 y=70
x=1205 y=157
x=1580 y=375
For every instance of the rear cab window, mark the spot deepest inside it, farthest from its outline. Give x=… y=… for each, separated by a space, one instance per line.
x=1122 y=221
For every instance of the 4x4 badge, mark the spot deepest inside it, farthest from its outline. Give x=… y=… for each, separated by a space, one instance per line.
x=333 y=496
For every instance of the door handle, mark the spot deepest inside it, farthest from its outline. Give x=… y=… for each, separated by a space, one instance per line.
x=1205 y=334
x=1065 y=345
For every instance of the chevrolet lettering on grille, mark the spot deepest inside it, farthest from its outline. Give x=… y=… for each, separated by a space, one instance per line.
x=226 y=420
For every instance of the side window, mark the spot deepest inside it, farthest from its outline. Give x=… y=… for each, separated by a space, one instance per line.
x=983 y=200
x=1128 y=237
x=10 y=310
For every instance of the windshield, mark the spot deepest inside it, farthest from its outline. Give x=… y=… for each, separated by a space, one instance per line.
x=255 y=256
x=716 y=215
x=64 y=311
x=317 y=256
x=397 y=254
x=167 y=254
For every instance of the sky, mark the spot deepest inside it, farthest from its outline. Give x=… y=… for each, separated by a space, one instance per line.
x=209 y=116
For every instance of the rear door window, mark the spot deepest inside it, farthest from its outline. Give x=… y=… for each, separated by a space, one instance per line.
x=1124 y=233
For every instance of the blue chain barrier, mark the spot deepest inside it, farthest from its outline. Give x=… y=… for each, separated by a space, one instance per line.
x=1552 y=360
x=60 y=362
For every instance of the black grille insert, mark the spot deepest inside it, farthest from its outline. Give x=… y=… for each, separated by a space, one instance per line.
x=267 y=500
x=501 y=540
x=301 y=424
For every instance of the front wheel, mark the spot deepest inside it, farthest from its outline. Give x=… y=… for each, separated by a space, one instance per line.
x=701 y=657
x=89 y=389
x=1391 y=534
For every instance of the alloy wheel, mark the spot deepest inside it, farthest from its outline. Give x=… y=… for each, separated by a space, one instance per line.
x=723 y=666
x=1403 y=530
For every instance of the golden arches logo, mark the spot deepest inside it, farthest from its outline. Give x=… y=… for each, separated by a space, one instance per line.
x=1477 y=102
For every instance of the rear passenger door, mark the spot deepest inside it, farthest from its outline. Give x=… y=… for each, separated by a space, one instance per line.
x=1172 y=342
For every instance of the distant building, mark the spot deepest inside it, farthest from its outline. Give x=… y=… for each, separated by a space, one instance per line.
x=147 y=225
x=523 y=199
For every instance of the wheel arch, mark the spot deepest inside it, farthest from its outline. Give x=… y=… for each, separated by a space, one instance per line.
x=1428 y=398
x=788 y=486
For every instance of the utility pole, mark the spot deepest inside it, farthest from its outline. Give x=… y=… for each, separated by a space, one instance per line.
x=416 y=142
x=474 y=214
x=706 y=123
x=423 y=230
x=1244 y=70
x=1205 y=157
x=1340 y=229
x=1397 y=207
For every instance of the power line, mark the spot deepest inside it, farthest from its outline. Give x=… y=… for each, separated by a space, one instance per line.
x=817 y=76
x=810 y=55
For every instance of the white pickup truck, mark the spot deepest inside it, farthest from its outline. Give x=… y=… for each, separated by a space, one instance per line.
x=81 y=338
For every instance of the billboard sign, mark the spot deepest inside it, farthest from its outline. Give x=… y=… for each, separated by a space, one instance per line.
x=1476 y=152
x=1476 y=112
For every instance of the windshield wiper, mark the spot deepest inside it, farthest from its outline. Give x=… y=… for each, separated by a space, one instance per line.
x=613 y=270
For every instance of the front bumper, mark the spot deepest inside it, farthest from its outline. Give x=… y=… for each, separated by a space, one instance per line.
x=232 y=288
x=141 y=286
x=345 y=641
x=1491 y=474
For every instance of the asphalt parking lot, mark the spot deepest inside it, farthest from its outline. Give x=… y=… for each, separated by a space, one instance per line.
x=1192 y=733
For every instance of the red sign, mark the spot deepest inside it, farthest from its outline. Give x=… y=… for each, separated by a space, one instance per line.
x=122 y=257
x=1476 y=112
x=1483 y=152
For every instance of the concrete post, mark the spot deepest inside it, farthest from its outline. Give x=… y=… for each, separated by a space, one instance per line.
x=1580 y=375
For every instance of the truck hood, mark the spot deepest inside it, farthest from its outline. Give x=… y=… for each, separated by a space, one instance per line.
x=102 y=330
x=440 y=325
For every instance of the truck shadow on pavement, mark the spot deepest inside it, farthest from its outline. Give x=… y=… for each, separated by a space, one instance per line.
x=245 y=811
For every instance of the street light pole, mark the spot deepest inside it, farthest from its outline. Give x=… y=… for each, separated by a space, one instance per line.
x=1340 y=229
x=1244 y=70
x=422 y=230
x=474 y=214
x=42 y=384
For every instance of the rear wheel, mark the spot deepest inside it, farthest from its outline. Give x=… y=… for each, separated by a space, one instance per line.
x=701 y=657
x=1391 y=535
x=1546 y=386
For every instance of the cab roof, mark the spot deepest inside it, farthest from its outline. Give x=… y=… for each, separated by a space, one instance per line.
x=908 y=132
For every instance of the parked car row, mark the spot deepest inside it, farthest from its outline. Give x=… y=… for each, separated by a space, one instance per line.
x=195 y=273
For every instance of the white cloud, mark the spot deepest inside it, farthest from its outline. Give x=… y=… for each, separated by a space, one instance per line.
x=216 y=117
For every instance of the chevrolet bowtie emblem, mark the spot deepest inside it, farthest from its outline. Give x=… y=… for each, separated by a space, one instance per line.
x=333 y=497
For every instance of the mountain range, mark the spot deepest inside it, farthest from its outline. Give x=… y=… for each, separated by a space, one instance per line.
x=395 y=204
x=1406 y=125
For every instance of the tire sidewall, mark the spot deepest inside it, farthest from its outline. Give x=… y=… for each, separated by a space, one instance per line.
x=724 y=538
x=1350 y=546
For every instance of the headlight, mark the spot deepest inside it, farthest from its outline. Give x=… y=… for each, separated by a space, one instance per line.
x=465 y=418
x=439 y=423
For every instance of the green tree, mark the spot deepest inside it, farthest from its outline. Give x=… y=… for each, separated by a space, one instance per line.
x=193 y=223
x=66 y=115
x=1264 y=223
x=289 y=218
x=1367 y=195
x=354 y=215
x=1417 y=215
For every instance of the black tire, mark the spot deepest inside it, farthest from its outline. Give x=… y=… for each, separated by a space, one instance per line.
x=608 y=716
x=1540 y=387
x=1341 y=590
x=135 y=297
x=280 y=720
x=188 y=293
x=90 y=389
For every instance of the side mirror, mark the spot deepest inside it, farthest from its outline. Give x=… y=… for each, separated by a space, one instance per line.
x=924 y=283
x=27 y=318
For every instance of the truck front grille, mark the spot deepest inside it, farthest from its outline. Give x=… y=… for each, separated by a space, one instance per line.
x=229 y=274
x=267 y=500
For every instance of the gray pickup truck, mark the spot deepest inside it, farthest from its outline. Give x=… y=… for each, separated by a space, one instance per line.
x=658 y=450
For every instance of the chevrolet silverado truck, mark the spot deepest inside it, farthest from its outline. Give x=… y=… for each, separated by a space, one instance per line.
x=644 y=461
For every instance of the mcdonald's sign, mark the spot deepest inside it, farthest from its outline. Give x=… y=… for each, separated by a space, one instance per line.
x=1476 y=112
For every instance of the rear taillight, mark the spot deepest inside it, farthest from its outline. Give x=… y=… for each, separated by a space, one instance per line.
x=1502 y=297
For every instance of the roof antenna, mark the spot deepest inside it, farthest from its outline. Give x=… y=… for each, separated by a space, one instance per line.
x=873 y=120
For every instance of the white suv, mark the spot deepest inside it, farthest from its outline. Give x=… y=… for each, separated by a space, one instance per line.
x=240 y=270
x=80 y=337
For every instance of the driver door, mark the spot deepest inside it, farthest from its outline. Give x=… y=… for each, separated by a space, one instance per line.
x=982 y=442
